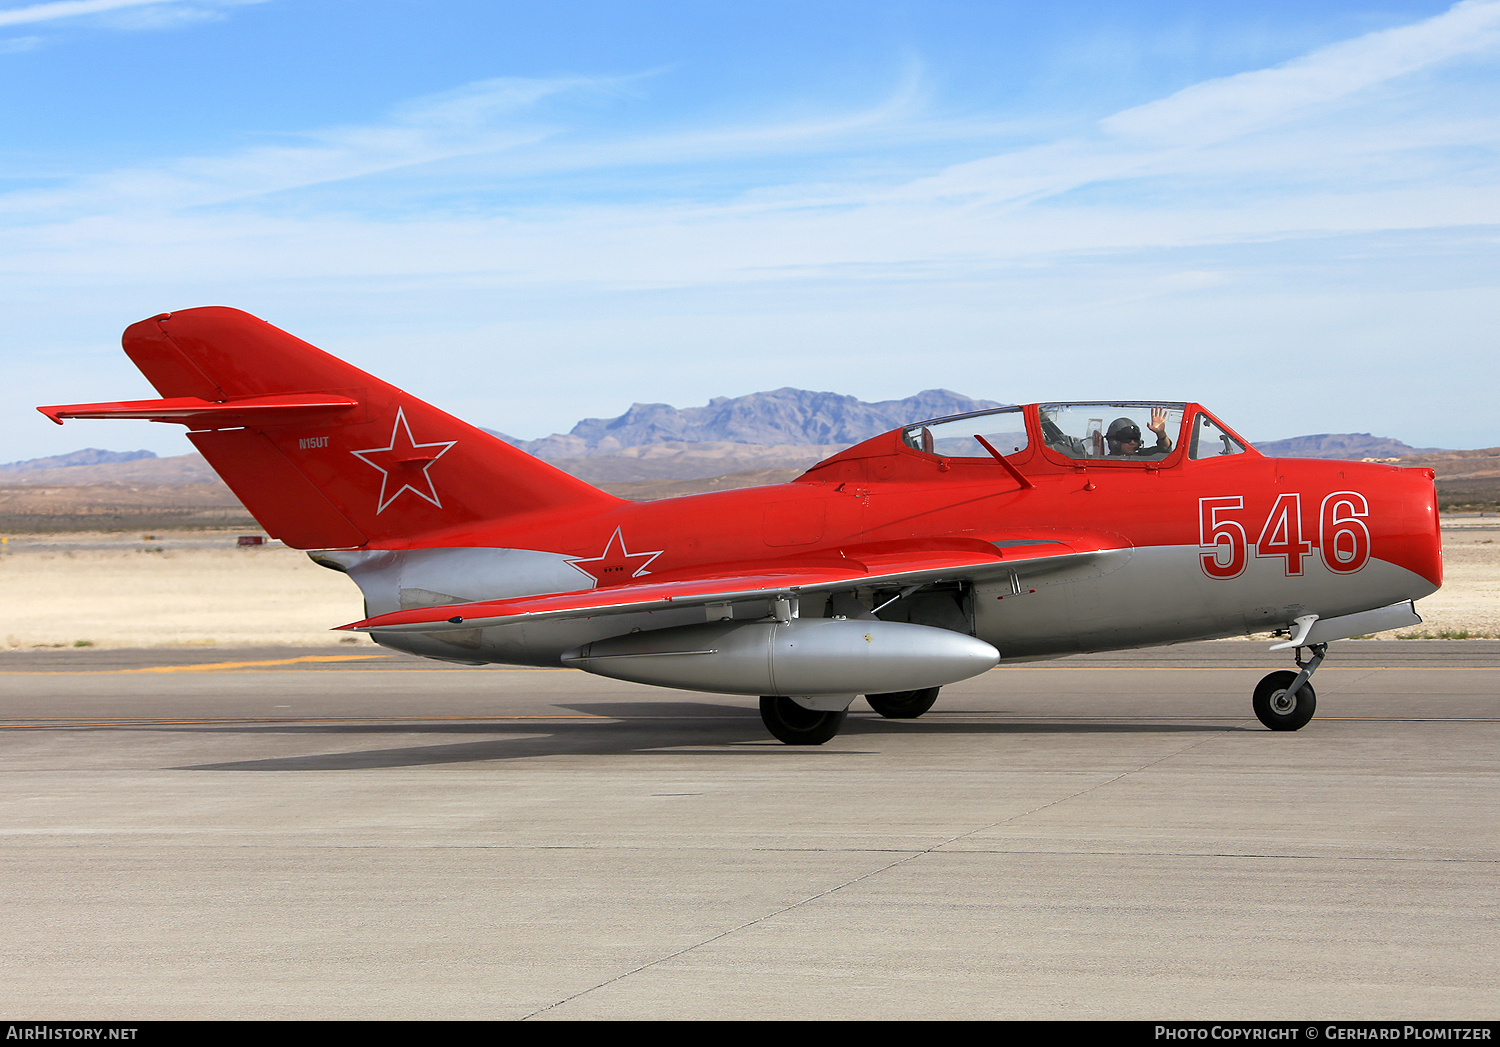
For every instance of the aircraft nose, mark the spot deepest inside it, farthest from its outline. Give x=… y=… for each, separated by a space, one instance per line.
x=1421 y=544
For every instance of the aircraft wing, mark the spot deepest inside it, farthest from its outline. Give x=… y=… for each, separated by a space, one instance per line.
x=885 y=564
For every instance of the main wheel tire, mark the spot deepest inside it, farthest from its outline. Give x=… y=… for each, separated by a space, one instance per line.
x=903 y=705
x=1280 y=710
x=795 y=725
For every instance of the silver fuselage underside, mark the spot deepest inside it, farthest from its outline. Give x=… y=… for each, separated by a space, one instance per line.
x=1129 y=598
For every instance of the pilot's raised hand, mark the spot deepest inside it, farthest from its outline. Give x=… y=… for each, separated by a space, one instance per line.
x=1158 y=421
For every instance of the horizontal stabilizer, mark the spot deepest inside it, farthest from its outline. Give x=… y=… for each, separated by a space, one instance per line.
x=197 y=413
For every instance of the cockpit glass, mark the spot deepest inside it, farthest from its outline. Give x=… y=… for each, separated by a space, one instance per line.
x=1210 y=441
x=1126 y=431
x=1005 y=430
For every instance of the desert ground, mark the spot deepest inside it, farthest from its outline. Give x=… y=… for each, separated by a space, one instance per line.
x=200 y=588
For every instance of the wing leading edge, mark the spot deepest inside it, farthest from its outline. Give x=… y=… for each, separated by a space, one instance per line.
x=883 y=564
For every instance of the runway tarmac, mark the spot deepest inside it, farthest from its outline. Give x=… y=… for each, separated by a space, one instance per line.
x=253 y=834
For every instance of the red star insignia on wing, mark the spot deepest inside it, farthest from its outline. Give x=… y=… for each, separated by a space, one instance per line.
x=616 y=564
x=403 y=464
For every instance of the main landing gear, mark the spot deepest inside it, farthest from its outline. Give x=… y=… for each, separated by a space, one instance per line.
x=1284 y=700
x=903 y=705
x=796 y=724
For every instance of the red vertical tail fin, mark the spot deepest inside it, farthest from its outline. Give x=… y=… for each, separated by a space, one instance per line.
x=323 y=454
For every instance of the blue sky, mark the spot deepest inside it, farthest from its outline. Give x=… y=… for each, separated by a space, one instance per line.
x=532 y=213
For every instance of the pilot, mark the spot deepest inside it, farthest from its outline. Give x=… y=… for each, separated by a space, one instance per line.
x=1123 y=437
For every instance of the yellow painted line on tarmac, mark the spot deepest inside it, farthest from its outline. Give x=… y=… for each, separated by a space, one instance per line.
x=206 y=667
x=210 y=667
x=958 y=715
x=1239 y=668
x=748 y=714
x=52 y=725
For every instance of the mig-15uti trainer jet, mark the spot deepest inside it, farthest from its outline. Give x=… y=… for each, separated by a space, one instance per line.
x=919 y=558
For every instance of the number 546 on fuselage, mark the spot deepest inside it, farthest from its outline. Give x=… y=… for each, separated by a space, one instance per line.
x=916 y=559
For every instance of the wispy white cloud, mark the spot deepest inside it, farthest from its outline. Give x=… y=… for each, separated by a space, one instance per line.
x=122 y=15
x=1294 y=131
x=501 y=121
x=1181 y=133
x=71 y=9
x=1244 y=178
x=157 y=17
x=453 y=124
x=1235 y=105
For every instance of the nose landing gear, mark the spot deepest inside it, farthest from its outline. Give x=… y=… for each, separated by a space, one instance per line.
x=1284 y=700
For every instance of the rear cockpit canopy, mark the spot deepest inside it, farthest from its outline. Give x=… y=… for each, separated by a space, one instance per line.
x=1120 y=431
x=954 y=437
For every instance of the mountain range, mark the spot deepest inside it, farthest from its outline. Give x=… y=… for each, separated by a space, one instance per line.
x=781 y=417
x=87 y=456
x=650 y=451
x=781 y=429
x=1341 y=445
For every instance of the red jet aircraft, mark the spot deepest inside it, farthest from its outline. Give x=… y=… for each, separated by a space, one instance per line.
x=916 y=559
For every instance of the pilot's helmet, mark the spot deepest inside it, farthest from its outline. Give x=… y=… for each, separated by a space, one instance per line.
x=1120 y=430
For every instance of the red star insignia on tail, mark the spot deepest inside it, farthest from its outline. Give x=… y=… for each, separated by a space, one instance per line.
x=615 y=564
x=403 y=464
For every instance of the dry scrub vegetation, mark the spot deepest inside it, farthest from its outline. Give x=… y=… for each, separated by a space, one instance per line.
x=179 y=588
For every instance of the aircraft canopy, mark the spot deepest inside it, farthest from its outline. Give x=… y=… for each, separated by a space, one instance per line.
x=1124 y=430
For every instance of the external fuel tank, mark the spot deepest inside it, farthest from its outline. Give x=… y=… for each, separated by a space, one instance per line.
x=800 y=657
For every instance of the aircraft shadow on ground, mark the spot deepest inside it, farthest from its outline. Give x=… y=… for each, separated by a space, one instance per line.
x=677 y=729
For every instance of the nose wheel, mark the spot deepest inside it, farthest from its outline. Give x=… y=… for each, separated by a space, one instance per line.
x=1281 y=708
x=1284 y=700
